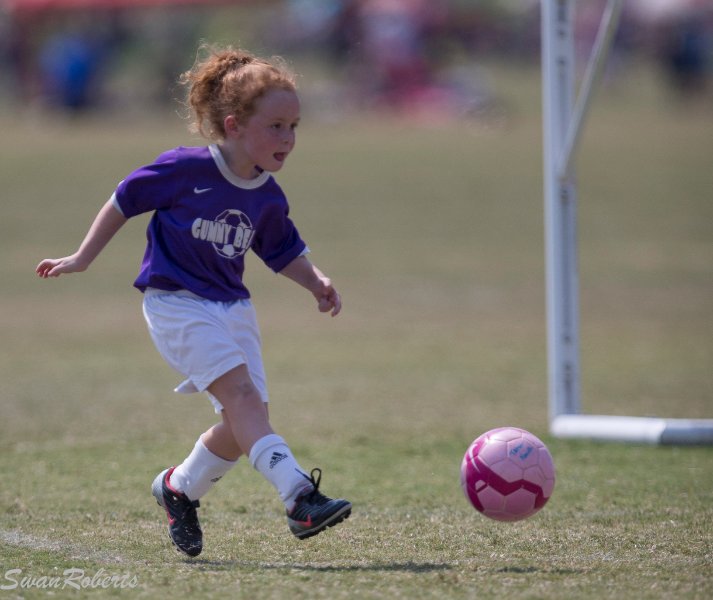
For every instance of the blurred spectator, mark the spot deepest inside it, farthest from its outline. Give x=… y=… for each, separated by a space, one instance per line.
x=74 y=60
x=396 y=53
x=396 y=48
x=57 y=58
x=69 y=64
x=687 y=51
x=15 y=58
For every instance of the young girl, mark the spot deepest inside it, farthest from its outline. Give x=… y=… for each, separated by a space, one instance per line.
x=211 y=204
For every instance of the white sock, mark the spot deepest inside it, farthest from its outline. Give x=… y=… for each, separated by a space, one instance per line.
x=272 y=457
x=199 y=472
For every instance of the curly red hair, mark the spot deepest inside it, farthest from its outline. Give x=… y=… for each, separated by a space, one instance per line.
x=229 y=81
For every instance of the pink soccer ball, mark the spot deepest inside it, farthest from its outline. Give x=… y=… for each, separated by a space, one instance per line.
x=507 y=474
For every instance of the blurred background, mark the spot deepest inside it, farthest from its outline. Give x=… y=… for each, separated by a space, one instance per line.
x=418 y=184
x=414 y=57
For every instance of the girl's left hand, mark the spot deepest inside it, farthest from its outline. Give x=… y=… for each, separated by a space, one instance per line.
x=329 y=299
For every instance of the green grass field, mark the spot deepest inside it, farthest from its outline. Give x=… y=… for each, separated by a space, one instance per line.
x=434 y=236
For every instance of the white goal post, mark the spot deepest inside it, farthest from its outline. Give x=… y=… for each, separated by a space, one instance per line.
x=562 y=125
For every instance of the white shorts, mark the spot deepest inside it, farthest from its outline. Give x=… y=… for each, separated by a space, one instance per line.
x=203 y=339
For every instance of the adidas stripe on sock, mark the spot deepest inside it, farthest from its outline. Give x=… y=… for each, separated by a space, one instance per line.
x=271 y=456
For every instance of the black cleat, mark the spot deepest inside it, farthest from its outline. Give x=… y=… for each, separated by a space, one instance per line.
x=183 y=526
x=314 y=512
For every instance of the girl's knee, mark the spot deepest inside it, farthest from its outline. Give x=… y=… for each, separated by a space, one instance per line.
x=242 y=395
x=235 y=383
x=246 y=392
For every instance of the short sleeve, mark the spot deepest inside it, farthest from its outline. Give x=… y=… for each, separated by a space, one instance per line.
x=279 y=242
x=148 y=188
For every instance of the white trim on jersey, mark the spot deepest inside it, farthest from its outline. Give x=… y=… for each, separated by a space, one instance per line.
x=246 y=184
x=115 y=202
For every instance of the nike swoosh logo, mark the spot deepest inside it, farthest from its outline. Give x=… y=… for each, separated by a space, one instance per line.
x=201 y=190
x=307 y=523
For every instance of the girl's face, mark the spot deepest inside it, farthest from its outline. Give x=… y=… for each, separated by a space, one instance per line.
x=268 y=135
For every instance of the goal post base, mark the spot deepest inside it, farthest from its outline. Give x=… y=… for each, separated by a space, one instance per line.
x=643 y=430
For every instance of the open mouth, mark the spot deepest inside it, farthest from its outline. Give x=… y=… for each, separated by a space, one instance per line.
x=280 y=156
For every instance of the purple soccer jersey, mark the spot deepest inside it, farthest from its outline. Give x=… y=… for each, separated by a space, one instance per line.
x=205 y=219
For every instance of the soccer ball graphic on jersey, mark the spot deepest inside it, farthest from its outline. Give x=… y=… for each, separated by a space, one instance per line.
x=238 y=236
x=507 y=474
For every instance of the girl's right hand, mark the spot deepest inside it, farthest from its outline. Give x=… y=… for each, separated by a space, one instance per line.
x=105 y=225
x=54 y=267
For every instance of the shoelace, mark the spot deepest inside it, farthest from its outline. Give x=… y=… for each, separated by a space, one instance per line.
x=190 y=518
x=315 y=496
x=187 y=508
x=191 y=512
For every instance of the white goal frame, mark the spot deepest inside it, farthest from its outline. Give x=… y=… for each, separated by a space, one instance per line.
x=562 y=127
